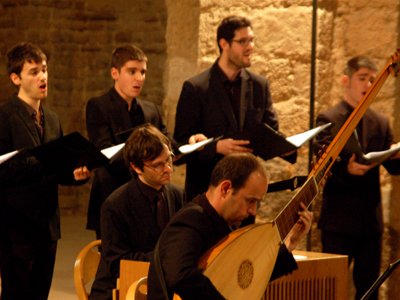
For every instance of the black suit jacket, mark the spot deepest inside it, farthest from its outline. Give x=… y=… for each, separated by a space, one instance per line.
x=29 y=191
x=106 y=117
x=352 y=204
x=204 y=106
x=193 y=231
x=129 y=231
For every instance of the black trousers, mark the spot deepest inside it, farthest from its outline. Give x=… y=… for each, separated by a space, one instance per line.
x=366 y=253
x=27 y=270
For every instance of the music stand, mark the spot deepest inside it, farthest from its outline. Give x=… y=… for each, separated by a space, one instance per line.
x=380 y=280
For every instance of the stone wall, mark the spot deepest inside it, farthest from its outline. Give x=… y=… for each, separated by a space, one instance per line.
x=283 y=55
x=180 y=41
x=79 y=36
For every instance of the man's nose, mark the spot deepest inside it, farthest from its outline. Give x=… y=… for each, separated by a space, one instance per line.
x=140 y=76
x=252 y=209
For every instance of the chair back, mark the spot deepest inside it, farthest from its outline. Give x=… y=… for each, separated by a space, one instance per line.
x=138 y=290
x=85 y=269
x=133 y=279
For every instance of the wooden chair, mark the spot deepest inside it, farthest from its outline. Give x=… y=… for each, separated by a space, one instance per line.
x=133 y=280
x=85 y=269
x=138 y=290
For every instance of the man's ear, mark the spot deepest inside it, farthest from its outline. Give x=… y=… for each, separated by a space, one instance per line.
x=345 y=80
x=15 y=79
x=136 y=169
x=224 y=44
x=225 y=186
x=114 y=73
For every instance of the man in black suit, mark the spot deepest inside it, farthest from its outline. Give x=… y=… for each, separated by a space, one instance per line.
x=29 y=215
x=351 y=215
x=222 y=101
x=134 y=215
x=238 y=183
x=115 y=112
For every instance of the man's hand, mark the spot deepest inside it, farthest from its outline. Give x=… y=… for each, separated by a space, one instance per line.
x=81 y=173
x=354 y=168
x=198 y=137
x=301 y=228
x=397 y=155
x=227 y=146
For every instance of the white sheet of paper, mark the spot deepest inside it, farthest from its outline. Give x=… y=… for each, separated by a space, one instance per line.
x=186 y=149
x=297 y=257
x=299 y=139
x=375 y=156
x=7 y=156
x=109 y=152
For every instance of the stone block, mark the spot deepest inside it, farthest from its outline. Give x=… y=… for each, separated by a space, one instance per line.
x=94 y=83
x=7 y=23
x=14 y=36
x=62 y=4
x=103 y=16
x=8 y=3
x=91 y=48
x=100 y=37
x=123 y=36
x=61 y=36
x=48 y=3
x=179 y=69
x=80 y=5
x=37 y=37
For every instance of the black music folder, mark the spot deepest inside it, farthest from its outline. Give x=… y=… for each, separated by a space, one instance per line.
x=70 y=152
x=268 y=143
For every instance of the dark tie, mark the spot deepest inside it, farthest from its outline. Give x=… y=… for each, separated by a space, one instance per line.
x=162 y=211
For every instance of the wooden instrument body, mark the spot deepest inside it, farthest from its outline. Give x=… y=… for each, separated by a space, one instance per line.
x=248 y=256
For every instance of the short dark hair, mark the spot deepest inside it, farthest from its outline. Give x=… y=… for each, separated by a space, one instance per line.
x=145 y=143
x=358 y=62
x=125 y=53
x=228 y=26
x=21 y=53
x=236 y=167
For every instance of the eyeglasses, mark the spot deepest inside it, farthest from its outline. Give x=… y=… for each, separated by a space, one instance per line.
x=246 y=42
x=159 y=167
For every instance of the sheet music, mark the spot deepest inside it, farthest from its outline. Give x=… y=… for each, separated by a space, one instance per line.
x=353 y=146
x=380 y=156
x=111 y=151
x=300 y=139
x=7 y=156
x=186 y=149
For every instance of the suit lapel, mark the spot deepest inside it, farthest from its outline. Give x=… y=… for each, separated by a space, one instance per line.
x=146 y=113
